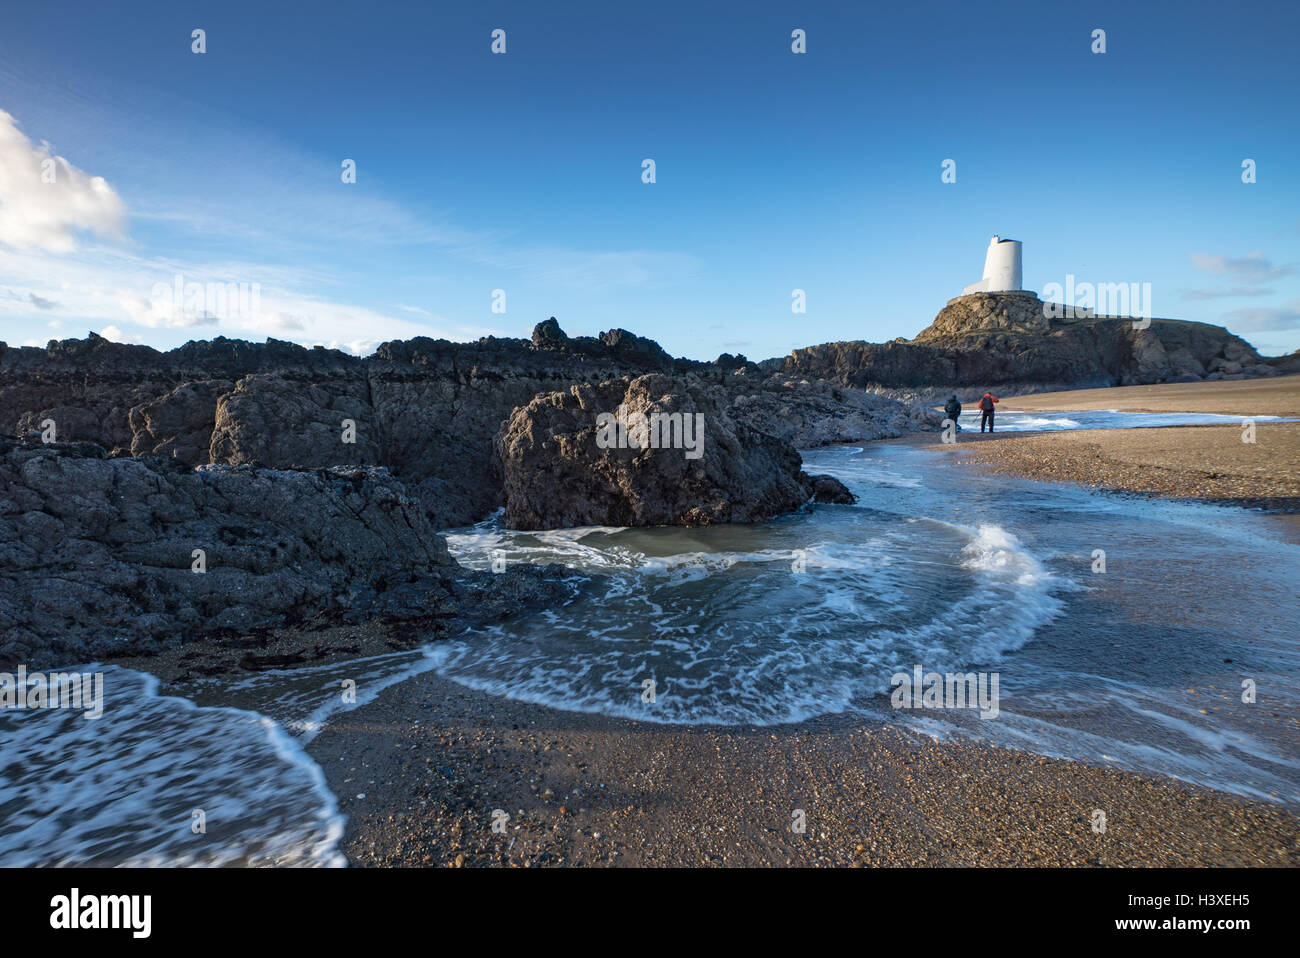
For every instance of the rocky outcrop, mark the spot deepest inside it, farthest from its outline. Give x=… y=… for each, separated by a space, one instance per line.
x=830 y=489
x=650 y=450
x=178 y=424
x=425 y=409
x=98 y=555
x=1020 y=312
x=428 y=410
x=91 y=387
x=270 y=419
x=1287 y=365
x=1013 y=342
x=437 y=405
x=809 y=412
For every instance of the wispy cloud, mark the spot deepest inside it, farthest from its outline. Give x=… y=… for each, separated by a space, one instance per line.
x=1229 y=293
x=1251 y=268
x=1265 y=319
x=114 y=288
x=116 y=335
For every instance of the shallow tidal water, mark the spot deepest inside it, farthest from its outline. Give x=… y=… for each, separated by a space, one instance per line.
x=1139 y=667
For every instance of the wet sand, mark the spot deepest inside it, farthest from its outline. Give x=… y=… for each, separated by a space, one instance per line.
x=1206 y=463
x=598 y=791
x=1276 y=396
x=1209 y=463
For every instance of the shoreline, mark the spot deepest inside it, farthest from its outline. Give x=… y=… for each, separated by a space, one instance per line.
x=591 y=789
x=1208 y=464
x=419 y=771
x=1273 y=396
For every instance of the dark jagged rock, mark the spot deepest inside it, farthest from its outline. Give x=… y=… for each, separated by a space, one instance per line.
x=97 y=554
x=178 y=424
x=630 y=347
x=269 y=419
x=810 y=412
x=90 y=387
x=437 y=405
x=549 y=335
x=729 y=362
x=1287 y=365
x=583 y=457
x=830 y=489
x=426 y=409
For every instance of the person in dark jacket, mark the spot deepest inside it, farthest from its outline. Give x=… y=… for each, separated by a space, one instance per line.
x=986 y=410
x=953 y=409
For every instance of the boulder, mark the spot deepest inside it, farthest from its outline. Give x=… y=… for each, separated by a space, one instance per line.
x=649 y=450
x=830 y=489
x=549 y=335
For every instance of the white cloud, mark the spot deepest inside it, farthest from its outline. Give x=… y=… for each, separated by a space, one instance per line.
x=1232 y=293
x=116 y=335
x=1251 y=268
x=160 y=313
x=102 y=287
x=35 y=214
x=415 y=309
x=294 y=240
x=1265 y=319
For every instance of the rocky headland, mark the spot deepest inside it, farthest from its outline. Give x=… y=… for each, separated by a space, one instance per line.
x=1006 y=341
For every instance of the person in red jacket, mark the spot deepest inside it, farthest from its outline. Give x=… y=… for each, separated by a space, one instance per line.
x=986 y=410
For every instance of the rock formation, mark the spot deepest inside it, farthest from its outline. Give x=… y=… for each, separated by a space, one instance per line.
x=97 y=554
x=650 y=450
x=428 y=410
x=1007 y=340
x=425 y=409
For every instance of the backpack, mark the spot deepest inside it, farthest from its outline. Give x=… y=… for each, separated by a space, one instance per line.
x=986 y=403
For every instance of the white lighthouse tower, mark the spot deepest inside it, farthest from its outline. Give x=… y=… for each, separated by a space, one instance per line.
x=1002 y=271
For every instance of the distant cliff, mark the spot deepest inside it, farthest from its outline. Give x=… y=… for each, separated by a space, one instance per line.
x=1006 y=340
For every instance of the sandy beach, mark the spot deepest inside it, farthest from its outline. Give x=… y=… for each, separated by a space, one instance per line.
x=1210 y=463
x=422 y=772
x=585 y=789
x=1278 y=396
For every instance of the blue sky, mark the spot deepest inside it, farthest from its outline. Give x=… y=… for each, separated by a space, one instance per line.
x=522 y=171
